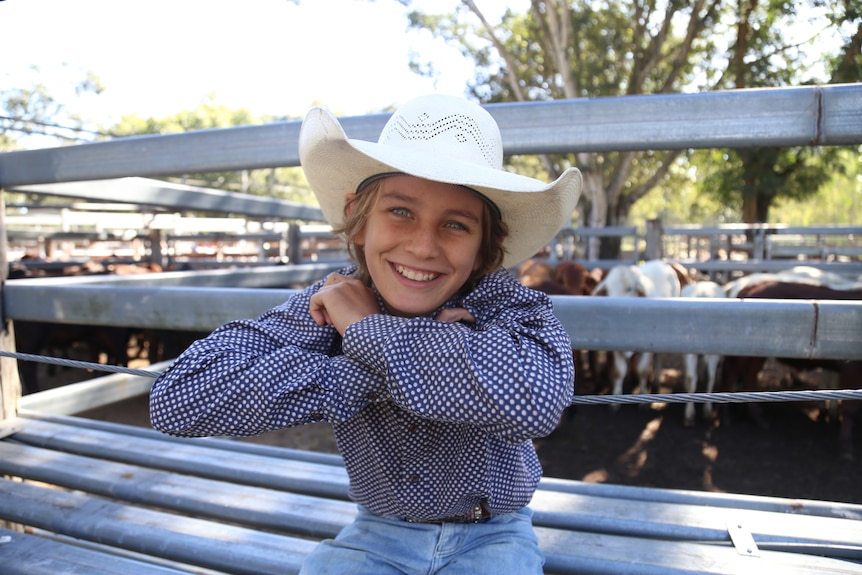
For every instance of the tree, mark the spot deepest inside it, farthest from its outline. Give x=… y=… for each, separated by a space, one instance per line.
x=282 y=183
x=846 y=17
x=34 y=111
x=839 y=202
x=587 y=49
x=762 y=56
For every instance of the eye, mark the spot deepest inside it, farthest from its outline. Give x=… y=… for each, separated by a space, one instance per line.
x=457 y=226
x=403 y=212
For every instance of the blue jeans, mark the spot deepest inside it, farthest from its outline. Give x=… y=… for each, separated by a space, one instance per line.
x=375 y=545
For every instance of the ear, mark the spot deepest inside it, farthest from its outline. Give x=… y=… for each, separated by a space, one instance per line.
x=348 y=204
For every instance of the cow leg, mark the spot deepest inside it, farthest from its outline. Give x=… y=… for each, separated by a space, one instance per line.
x=655 y=367
x=739 y=373
x=618 y=374
x=644 y=371
x=711 y=374
x=690 y=378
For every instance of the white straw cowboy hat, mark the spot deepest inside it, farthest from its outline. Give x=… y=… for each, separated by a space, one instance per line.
x=444 y=139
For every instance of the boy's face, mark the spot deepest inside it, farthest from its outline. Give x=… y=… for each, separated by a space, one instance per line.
x=421 y=242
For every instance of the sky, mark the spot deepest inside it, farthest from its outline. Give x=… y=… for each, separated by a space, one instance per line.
x=156 y=58
x=272 y=57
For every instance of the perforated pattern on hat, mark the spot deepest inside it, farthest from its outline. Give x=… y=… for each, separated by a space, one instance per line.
x=424 y=128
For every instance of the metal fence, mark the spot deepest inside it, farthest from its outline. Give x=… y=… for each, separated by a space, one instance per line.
x=798 y=116
x=203 y=300
x=794 y=116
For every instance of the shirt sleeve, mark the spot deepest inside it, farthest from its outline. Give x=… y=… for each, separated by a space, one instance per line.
x=511 y=372
x=253 y=376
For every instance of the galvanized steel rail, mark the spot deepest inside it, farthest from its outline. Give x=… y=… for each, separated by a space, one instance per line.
x=798 y=116
x=243 y=508
x=782 y=328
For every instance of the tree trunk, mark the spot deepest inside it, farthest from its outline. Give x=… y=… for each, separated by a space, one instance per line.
x=749 y=209
x=594 y=190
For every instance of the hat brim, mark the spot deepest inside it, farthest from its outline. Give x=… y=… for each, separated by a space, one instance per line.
x=335 y=165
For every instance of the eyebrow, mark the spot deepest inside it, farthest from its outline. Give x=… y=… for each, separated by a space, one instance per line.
x=398 y=196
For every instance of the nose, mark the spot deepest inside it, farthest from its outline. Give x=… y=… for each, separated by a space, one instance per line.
x=423 y=242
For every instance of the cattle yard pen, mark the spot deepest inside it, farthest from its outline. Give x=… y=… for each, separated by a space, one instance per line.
x=82 y=496
x=58 y=236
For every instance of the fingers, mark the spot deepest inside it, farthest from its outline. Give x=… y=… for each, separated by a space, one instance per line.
x=335 y=278
x=342 y=301
x=317 y=305
x=353 y=301
x=319 y=315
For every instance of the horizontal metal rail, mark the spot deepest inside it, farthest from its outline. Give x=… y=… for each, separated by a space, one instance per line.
x=186 y=501
x=270 y=276
x=59 y=554
x=149 y=192
x=782 y=328
x=556 y=504
x=768 y=266
x=797 y=116
x=240 y=550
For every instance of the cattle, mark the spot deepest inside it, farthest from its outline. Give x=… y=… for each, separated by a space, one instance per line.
x=564 y=278
x=84 y=342
x=796 y=275
x=576 y=278
x=739 y=373
x=684 y=275
x=691 y=361
x=651 y=279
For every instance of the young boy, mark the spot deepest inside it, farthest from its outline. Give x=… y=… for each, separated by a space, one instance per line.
x=435 y=367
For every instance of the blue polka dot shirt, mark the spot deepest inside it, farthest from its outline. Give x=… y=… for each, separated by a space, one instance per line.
x=431 y=417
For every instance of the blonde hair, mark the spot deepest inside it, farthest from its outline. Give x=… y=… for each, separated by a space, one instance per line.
x=358 y=209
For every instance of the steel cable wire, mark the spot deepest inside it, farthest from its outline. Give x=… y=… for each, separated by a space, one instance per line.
x=715 y=397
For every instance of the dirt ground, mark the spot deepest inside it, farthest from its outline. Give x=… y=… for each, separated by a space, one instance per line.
x=796 y=457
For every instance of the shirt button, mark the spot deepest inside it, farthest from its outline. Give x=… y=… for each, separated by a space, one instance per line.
x=414 y=478
x=372 y=397
x=316 y=416
x=412 y=428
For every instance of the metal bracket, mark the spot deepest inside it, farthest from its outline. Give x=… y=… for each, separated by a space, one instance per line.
x=742 y=540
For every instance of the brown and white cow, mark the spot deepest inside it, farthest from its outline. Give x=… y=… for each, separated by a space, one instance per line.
x=655 y=279
x=691 y=361
x=739 y=373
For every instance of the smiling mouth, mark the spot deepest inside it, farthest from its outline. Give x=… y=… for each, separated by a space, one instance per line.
x=415 y=275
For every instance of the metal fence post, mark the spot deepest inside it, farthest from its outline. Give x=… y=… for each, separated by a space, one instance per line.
x=654 y=231
x=10 y=383
x=294 y=244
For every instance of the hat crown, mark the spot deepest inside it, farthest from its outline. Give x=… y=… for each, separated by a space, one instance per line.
x=447 y=126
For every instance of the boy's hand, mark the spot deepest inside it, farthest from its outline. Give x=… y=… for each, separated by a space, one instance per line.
x=342 y=301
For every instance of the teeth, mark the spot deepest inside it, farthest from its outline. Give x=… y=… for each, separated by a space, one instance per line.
x=415 y=276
